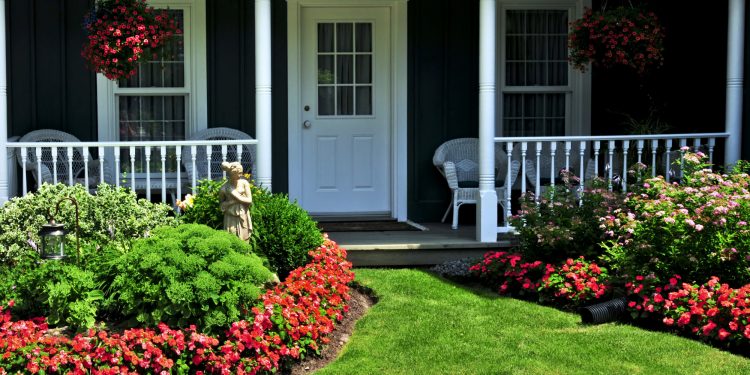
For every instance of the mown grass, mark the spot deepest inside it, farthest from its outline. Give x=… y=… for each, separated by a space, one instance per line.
x=423 y=324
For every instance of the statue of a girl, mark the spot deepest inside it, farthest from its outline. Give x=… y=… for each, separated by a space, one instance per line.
x=236 y=197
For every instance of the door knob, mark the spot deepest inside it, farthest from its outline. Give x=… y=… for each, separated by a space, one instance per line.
x=307 y=124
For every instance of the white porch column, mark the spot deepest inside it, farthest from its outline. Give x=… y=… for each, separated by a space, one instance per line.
x=487 y=204
x=735 y=51
x=3 y=109
x=263 y=91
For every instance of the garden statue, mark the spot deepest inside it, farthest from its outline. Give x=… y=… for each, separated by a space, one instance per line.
x=236 y=197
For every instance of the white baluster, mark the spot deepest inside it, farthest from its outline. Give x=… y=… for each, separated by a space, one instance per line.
x=117 y=166
x=552 y=152
x=568 y=147
x=683 y=144
x=148 y=172
x=696 y=144
x=537 y=178
x=508 y=211
x=611 y=165
x=54 y=165
x=711 y=145
x=209 y=151
x=132 y=170
x=639 y=147
x=668 y=164
x=223 y=159
x=70 y=165
x=625 y=147
x=101 y=164
x=582 y=168
x=654 y=146
x=163 y=150
x=524 y=147
x=193 y=150
x=24 y=159
x=597 y=147
x=178 y=162
x=85 y=152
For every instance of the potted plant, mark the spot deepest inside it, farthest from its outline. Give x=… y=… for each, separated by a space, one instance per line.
x=121 y=32
x=623 y=36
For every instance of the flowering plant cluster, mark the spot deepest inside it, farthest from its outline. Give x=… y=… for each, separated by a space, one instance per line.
x=712 y=311
x=574 y=282
x=697 y=229
x=564 y=222
x=288 y=322
x=120 y=32
x=623 y=36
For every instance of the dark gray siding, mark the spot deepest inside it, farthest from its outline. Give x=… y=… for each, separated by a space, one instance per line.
x=443 y=94
x=48 y=83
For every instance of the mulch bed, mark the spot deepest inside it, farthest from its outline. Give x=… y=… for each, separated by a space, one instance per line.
x=360 y=302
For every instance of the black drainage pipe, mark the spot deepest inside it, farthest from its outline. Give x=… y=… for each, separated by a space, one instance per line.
x=603 y=312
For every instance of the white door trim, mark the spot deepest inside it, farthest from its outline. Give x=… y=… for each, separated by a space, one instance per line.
x=398 y=132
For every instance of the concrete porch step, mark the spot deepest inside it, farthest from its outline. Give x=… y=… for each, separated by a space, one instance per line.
x=435 y=245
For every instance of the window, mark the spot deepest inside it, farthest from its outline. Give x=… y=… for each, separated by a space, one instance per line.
x=166 y=99
x=345 y=69
x=540 y=94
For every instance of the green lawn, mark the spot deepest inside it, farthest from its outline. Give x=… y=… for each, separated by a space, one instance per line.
x=426 y=325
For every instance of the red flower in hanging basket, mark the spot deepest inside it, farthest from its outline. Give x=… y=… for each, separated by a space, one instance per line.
x=623 y=36
x=120 y=32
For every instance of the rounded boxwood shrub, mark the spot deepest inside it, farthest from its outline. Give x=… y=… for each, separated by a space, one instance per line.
x=283 y=232
x=113 y=216
x=189 y=274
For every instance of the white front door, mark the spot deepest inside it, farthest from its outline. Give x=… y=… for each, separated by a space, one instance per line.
x=345 y=110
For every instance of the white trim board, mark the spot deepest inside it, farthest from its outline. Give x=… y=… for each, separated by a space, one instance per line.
x=398 y=12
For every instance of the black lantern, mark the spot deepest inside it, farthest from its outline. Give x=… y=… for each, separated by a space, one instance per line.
x=53 y=235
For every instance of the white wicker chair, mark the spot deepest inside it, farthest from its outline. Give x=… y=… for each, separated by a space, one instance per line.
x=61 y=168
x=457 y=161
x=202 y=164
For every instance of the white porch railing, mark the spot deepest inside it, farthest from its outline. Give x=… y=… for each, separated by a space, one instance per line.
x=168 y=166
x=608 y=157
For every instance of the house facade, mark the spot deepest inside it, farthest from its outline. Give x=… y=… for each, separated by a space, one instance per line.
x=348 y=99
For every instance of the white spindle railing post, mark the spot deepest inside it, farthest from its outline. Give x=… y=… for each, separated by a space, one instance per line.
x=582 y=167
x=85 y=165
x=568 y=147
x=163 y=150
x=611 y=165
x=117 y=166
x=223 y=159
x=132 y=172
x=101 y=165
x=639 y=148
x=538 y=174
x=209 y=152
x=147 y=150
x=178 y=162
x=54 y=164
x=24 y=160
x=625 y=147
x=193 y=150
x=683 y=144
x=597 y=147
x=711 y=145
x=668 y=163
x=654 y=146
x=524 y=148
x=552 y=152
x=508 y=202
x=70 y=164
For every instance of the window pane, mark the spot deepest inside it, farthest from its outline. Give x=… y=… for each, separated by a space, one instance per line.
x=345 y=99
x=150 y=118
x=166 y=66
x=344 y=37
x=364 y=69
x=344 y=73
x=534 y=114
x=325 y=37
x=364 y=100
x=325 y=69
x=516 y=22
x=515 y=74
x=326 y=101
x=364 y=37
x=536 y=48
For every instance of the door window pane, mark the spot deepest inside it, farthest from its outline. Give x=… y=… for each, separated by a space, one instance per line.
x=526 y=115
x=345 y=74
x=151 y=118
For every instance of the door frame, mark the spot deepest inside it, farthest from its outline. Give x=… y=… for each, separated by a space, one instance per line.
x=398 y=98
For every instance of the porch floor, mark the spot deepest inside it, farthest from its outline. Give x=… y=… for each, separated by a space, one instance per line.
x=437 y=244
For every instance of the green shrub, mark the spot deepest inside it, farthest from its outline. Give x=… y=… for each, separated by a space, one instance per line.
x=564 y=223
x=203 y=207
x=111 y=216
x=283 y=231
x=62 y=292
x=189 y=274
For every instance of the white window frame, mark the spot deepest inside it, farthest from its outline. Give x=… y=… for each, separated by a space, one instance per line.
x=196 y=86
x=577 y=91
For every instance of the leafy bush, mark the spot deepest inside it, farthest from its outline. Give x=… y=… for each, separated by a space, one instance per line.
x=288 y=322
x=189 y=274
x=283 y=231
x=203 y=207
x=64 y=293
x=565 y=222
x=111 y=216
x=697 y=229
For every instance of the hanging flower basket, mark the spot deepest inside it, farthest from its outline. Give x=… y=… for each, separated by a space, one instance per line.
x=121 y=33
x=624 y=36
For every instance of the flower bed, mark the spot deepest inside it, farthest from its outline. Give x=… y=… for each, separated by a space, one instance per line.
x=712 y=311
x=288 y=322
